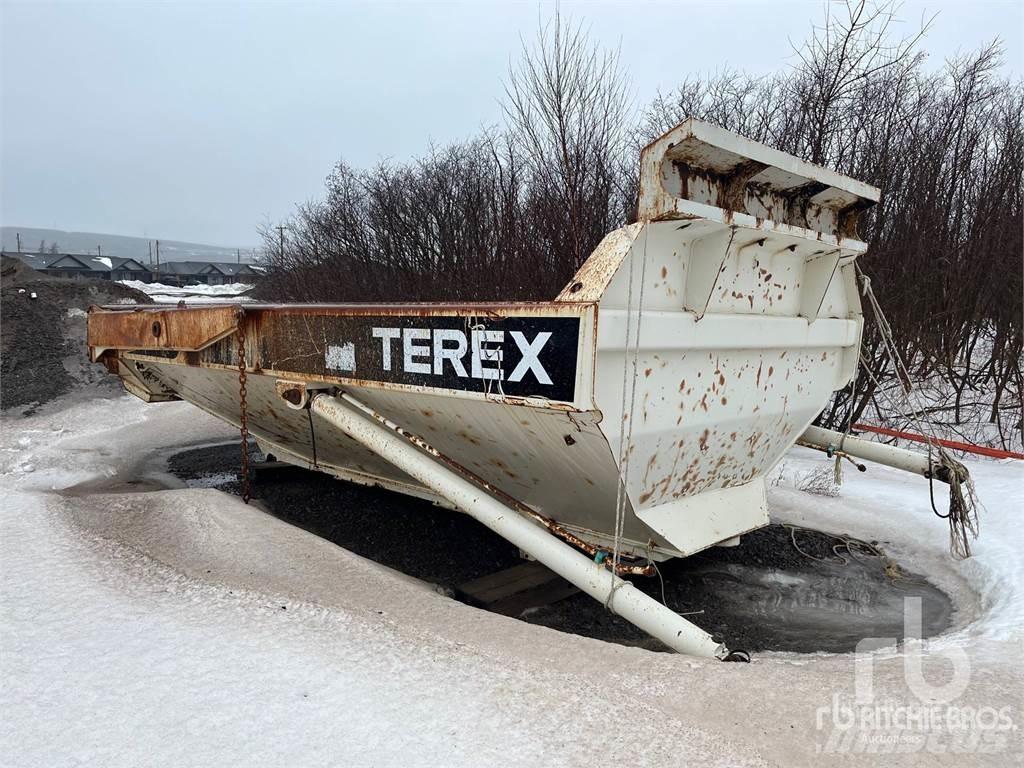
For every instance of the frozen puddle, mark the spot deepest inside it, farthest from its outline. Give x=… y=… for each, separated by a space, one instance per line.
x=759 y=597
x=783 y=589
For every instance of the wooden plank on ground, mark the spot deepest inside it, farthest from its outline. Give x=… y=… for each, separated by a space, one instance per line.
x=515 y=589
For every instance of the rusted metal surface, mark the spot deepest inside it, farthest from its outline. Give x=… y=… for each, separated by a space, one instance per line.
x=494 y=309
x=589 y=283
x=294 y=393
x=161 y=328
x=300 y=342
x=338 y=347
x=697 y=164
x=518 y=448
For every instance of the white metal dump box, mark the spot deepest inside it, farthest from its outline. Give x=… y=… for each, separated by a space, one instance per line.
x=679 y=364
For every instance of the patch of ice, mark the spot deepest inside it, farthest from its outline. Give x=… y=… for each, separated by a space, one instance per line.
x=784 y=579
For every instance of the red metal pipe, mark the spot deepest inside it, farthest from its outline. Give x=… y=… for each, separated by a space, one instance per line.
x=979 y=449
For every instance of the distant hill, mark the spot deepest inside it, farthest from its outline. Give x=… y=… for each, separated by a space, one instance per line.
x=118 y=245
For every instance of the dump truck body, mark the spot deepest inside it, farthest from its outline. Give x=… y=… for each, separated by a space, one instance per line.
x=682 y=361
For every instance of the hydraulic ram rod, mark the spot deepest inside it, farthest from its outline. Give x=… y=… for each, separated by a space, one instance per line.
x=597 y=581
x=891 y=456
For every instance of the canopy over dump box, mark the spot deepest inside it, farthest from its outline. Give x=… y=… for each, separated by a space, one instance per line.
x=679 y=364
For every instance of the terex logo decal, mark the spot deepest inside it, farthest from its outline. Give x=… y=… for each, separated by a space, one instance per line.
x=519 y=356
x=428 y=351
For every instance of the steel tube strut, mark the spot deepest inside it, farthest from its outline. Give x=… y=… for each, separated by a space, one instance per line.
x=597 y=581
x=869 y=450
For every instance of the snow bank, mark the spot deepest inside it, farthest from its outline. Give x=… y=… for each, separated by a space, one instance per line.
x=181 y=627
x=184 y=628
x=229 y=289
x=197 y=293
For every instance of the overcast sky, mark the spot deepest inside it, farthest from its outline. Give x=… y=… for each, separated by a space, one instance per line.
x=197 y=121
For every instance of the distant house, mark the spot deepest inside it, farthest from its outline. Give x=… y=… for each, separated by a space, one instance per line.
x=78 y=265
x=129 y=269
x=177 y=273
x=232 y=272
x=181 y=273
x=59 y=264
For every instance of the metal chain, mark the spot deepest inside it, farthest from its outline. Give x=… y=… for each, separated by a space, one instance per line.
x=246 y=495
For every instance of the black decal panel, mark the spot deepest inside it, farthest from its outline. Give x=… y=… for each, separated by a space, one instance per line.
x=517 y=356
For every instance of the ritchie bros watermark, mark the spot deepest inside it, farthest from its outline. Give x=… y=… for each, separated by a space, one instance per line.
x=928 y=717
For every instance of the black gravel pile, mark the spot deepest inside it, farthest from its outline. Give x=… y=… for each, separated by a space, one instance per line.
x=42 y=334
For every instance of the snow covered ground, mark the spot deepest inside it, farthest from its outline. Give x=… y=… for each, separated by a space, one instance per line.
x=181 y=627
x=193 y=294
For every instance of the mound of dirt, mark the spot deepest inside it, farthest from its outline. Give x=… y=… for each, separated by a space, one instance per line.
x=42 y=334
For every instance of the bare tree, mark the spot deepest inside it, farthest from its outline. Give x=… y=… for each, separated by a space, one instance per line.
x=567 y=110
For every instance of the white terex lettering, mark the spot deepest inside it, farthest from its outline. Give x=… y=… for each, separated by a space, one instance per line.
x=452 y=354
x=425 y=351
x=531 y=353
x=410 y=350
x=386 y=335
x=489 y=354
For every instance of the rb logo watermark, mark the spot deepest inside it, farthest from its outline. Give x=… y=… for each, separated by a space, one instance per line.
x=928 y=719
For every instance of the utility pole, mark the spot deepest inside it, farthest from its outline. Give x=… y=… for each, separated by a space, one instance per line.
x=280 y=232
x=158 y=261
x=151 y=253
x=18 y=236
x=99 y=251
x=238 y=255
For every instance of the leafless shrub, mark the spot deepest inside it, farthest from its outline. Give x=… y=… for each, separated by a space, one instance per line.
x=820 y=482
x=566 y=106
x=778 y=474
